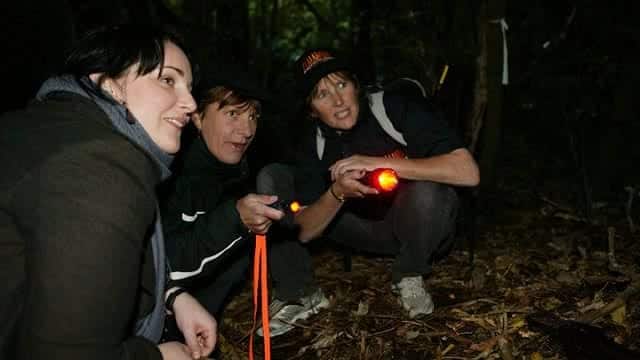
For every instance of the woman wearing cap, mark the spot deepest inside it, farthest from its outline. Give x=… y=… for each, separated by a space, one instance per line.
x=211 y=213
x=82 y=253
x=345 y=142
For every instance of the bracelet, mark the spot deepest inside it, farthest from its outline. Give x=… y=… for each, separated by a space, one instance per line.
x=168 y=303
x=339 y=198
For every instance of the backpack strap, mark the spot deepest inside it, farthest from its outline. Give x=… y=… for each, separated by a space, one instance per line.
x=319 y=143
x=380 y=113
x=416 y=83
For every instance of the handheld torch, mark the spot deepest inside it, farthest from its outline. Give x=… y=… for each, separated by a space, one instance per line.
x=289 y=208
x=384 y=180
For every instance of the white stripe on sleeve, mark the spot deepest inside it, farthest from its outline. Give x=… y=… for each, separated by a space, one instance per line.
x=180 y=275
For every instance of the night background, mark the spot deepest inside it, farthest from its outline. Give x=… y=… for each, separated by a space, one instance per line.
x=548 y=256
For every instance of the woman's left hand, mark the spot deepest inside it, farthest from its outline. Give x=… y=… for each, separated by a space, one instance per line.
x=198 y=327
x=356 y=162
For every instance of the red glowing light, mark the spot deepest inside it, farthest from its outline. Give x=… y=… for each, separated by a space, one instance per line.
x=384 y=179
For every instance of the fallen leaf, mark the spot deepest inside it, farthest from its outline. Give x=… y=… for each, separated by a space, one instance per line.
x=550 y=303
x=565 y=277
x=369 y=292
x=502 y=262
x=485 y=345
x=363 y=309
x=595 y=305
x=527 y=333
x=518 y=323
x=324 y=340
x=536 y=356
x=410 y=335
x=619 y=315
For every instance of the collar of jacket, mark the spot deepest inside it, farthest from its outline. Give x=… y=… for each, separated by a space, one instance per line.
x=200 y=160
x=118 y=114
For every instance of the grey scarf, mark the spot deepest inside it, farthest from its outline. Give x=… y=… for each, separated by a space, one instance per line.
x=152 y=325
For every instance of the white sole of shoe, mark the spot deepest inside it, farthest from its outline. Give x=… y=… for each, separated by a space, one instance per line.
x=301 y=316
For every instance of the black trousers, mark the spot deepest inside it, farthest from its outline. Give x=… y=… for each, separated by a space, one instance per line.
x=416 y=228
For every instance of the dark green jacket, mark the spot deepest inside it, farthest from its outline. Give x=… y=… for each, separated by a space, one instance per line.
x=77 y=203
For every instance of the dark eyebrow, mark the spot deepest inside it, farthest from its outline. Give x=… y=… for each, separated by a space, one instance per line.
x=178 y=70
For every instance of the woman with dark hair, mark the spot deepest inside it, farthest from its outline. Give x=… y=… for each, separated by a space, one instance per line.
x=81 y=244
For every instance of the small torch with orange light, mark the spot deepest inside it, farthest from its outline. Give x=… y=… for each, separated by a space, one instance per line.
x=384 y=180
x=289 y=208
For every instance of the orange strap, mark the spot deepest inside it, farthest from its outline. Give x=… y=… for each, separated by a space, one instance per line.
x=260 y=281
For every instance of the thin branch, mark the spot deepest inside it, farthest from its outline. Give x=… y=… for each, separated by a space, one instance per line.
x=322 y=22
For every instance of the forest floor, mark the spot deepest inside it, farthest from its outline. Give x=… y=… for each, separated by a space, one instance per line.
x=544 y=285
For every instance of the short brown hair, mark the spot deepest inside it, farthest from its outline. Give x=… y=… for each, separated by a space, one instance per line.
x=226 y=96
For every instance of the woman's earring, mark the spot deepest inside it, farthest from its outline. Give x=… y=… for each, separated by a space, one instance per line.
x=115 y=96
x=124 y=94
x=128 y=116
x=130 y=119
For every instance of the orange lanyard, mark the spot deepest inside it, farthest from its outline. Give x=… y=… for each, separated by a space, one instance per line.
x=260 y=281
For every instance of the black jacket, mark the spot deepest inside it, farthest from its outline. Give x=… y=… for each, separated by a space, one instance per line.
x=77 y=203
x=201 y=224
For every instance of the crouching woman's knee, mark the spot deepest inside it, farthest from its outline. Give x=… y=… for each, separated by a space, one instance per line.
x=425 y=195
x=276 y=179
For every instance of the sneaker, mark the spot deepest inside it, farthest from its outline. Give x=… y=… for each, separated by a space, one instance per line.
x=413 y=296
x=284 y=314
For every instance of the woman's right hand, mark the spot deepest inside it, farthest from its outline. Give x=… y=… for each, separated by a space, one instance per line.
x=175 y=350
x=256 y=214
x=348 y=185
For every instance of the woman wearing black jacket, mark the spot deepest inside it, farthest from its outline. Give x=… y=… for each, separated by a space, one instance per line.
x=81 y=248
x=212 y=211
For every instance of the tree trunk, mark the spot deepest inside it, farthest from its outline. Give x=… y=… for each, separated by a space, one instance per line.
x=232 y=35
x=363 y=52
x=270 y=31
x=199 y=15
x=491 y=130
x=479 y=104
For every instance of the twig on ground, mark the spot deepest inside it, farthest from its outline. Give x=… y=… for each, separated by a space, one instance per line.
x=488 y=346
x=557 y=205
x=447 y=349
x=611 y=255
x=469 y=303
x=382 y=332
x=632 y=191
x=564 y=212
x=506 y=348
x=620 y=300
x=504 y=344
x=571 y=217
